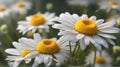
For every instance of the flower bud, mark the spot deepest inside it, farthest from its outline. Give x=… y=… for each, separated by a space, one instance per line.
x=4 y=28
x=116 y=49
x=118 y=22
x=49 y=6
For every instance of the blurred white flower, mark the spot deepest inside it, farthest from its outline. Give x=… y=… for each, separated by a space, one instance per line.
x=21 y=7
x=115 y=17
x=109 y=4
x=82 y=2
x=85 y=30
x=4 y=12
x=103 y=59
x=35 y=22
x=17 y=54
x=7 y=2
x=46 y=50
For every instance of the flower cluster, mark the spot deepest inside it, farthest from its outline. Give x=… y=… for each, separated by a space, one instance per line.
x=67 y=39
x=73 y=28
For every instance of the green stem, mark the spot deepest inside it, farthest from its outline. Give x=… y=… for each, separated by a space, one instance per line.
x=70 y=48
x=77 y=53
x=75 y=48
x=71 y=60
x=94 y=58
x=44 y=34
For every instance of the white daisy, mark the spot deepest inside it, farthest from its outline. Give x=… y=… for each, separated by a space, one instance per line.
x=82 y=2
x=47 y=50
x=21 y=7
x=85 y=30
x=103 y=59
x=7 y=2
x=35 y=22
x=4 y=12
x=17 y=54
x=109 y=4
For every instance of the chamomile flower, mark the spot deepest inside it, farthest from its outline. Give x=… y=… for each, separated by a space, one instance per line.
x=17 y=54
x=21 y=7
x=35 y=22
x=82 y=2
x=7 y=2
x=4 y=12
x=47 y=50
x=85 y=30
x=103 y=59
x=109 y=4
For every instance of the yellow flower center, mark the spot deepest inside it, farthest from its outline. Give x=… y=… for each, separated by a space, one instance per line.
x=86 y=26
x=20 y=4
x=112 y=3
x=37 y=20
x=2 y=8
x=100 y=60
x=47 y=46
x=30 y=34
x=24 y=52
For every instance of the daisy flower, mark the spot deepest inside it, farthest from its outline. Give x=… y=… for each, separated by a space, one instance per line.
x=47 y=50
x=103 y=59
x=4 y=12
x=7 y=2
x=109 y=4
x=17 y=54
x=85 y=30
x=35 y=22
x=21 y=7
x=82 y=2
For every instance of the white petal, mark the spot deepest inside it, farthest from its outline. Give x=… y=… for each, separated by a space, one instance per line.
x=50 y=62
x=37 y=37
x=62 y=27
x=32 y=54
x=70 y=17
x=80 y=36
x=93 y=18
x=70 y=37
x=87 y=40
x=47 y=60
x=38 y=60
x=82 y=44
x=28 y=18
x=100 y=41
x=111 y=41
x=34 y=29
x=27 y=43
x=27 y=61
x=98 y=22
x=96 y=44
x=84 y=16
x=23 y=22
x=66 y=19
x=12 y=51
x=59 y=58
x=110 y=30
x=18 y=46
x=107 y=35
x=106 y=25
x=76 y=17
x=16 y=63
